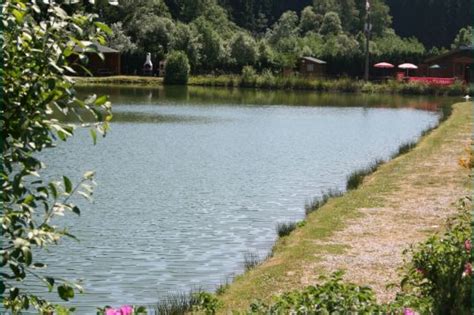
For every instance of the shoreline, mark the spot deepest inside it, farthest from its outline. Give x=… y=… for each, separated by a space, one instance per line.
x=262 y=82
x=320 y=245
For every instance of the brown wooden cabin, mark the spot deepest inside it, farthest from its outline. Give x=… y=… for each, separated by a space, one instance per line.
x=453 y=64
x=312 y=67
x=110 y=65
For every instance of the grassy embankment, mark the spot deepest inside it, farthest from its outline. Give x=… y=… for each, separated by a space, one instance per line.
x=365 y=230
x=269 y=81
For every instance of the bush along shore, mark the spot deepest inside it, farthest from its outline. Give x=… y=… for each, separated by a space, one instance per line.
x=269 y=81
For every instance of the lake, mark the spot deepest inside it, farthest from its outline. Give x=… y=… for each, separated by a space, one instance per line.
x=190 y=179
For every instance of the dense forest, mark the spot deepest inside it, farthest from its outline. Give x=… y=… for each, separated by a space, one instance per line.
x=222 y=36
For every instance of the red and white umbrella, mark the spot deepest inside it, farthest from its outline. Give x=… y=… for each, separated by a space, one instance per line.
x=384 y=65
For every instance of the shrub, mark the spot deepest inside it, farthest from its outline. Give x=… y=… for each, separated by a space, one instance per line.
x=440 y=269
x=357 y=177
x=177 y=68
x=284 y=229
x=248 y=77
x=332 y=297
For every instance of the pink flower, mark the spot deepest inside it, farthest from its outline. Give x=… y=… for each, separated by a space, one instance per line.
x=409 y=311
x=421 y=271
x=467 y=245
x=467 y=270
x=112 y=311
x=126 y=310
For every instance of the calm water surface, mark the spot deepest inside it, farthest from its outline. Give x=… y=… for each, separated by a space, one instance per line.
x=191 y=179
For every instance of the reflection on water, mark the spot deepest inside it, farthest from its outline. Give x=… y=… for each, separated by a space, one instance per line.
x=192 y=178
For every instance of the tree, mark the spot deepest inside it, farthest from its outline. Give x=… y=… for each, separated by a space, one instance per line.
x=463 y=38
x=243 y=49
x=177 y=68
x=154 y=35
x=310 y=21
x=210 y=42
x=331 y=24
x=287 y=26
x=119 y=40
x=186 y=39
x=38 y=45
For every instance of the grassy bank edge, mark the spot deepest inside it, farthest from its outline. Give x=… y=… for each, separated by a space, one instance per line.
x=265 y=82
x=280 y=272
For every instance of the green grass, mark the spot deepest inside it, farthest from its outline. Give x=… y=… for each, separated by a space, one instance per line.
x=295 y=254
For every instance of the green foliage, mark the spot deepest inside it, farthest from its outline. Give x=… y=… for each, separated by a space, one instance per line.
x=249 y=76
x=331 y=24
x=186 y=39
x=285 y=228
x=440 y=269
x=463 y=38
x=153 y=34
x=206 y=302
x=177 y=68
x=210 y=42
x=38 y=44
x=119 y=40
x=310 y=21
x=334 y=296
x=243 y=49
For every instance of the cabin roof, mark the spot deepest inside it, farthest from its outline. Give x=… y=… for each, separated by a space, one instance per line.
x=100 y=48
x=468 y=49
x=315 y=60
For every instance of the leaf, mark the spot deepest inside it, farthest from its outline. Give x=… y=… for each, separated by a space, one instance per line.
x=104 y=27
x=28 y=257
x=67 y=184
x=53 y=189
x=65 y=292
x=76 y=210
x=93 y=135
x=101 y=100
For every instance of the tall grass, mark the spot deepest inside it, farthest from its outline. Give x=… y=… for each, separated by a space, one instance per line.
x=405 y=148
x=251 y=260
x=285 y=228
x=177 y=303
x=356 y=178
x=318 y=202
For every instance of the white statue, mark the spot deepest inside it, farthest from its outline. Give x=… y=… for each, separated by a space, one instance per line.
x=148 y=66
